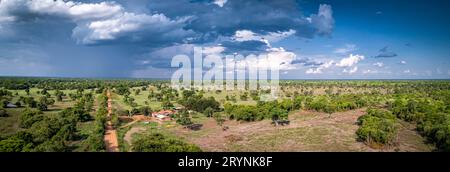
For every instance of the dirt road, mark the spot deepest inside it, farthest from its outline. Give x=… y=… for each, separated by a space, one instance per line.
x=110 y=138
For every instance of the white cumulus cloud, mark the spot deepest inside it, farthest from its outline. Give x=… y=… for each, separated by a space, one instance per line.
x=248 y=35
x=350 y=60
x=220 y=3
x=69 y=9
x=281 y=59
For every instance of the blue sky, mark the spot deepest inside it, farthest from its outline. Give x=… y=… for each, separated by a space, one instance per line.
x=342 y=39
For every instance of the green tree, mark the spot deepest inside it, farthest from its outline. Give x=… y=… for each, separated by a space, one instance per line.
x=44 y=102
x=29 y=117
x=166 y=104
x=208 y=112
x=59 y=95
x=4 y=103
x=219 y=119
x=157 y=142
x=184 y=119
x=145 y=110
x=3 y=113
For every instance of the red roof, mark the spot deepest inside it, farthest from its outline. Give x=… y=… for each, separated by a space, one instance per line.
x=164 y=112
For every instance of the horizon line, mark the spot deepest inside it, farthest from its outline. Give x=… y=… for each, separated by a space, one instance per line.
x=133 y=78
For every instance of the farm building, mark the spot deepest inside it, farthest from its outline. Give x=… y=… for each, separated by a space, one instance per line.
x=10 y=105
x=163 y=115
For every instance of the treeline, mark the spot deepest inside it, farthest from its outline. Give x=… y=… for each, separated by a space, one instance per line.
x=279 y=109
x=95 y=142
x=399 y=86
x=22 y=83
x=321 y=103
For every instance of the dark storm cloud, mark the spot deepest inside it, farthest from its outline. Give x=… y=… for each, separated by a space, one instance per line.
x=98 y=37
x=158 y=22
x=259 y=17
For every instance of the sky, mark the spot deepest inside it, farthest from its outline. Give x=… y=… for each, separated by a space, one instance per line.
x=344 y=39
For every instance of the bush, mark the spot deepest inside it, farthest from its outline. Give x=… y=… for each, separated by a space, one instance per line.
x=134 y=111
x=377 y=126
x=29 y=117
x=436 y=127
x=208 y=112
x=14 y=145
x=3 y=103
x=114 y=120
x=19 y=142
x=3 y=113
x=94 y=143
x=145 y=110
x=157 y=142
x=184 y=119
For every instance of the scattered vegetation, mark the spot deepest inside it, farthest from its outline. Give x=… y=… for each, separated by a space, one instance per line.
x=43 y=114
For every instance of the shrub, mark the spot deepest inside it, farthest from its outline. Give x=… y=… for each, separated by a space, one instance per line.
x=377 y=126
x=19 y=142
x=14 y=145
x=3 y=103
x=95 y=143
x=3 y=113
x=184 y=118
x=208 y=112
x=436 y=127
x=114 y=120
x=29 y=117
x=157 y=142
x=145 y=110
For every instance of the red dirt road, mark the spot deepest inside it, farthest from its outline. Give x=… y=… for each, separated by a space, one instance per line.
x=110 y=138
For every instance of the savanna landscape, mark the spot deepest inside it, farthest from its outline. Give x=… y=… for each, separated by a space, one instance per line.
x=142 y=115
x=224 y=76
